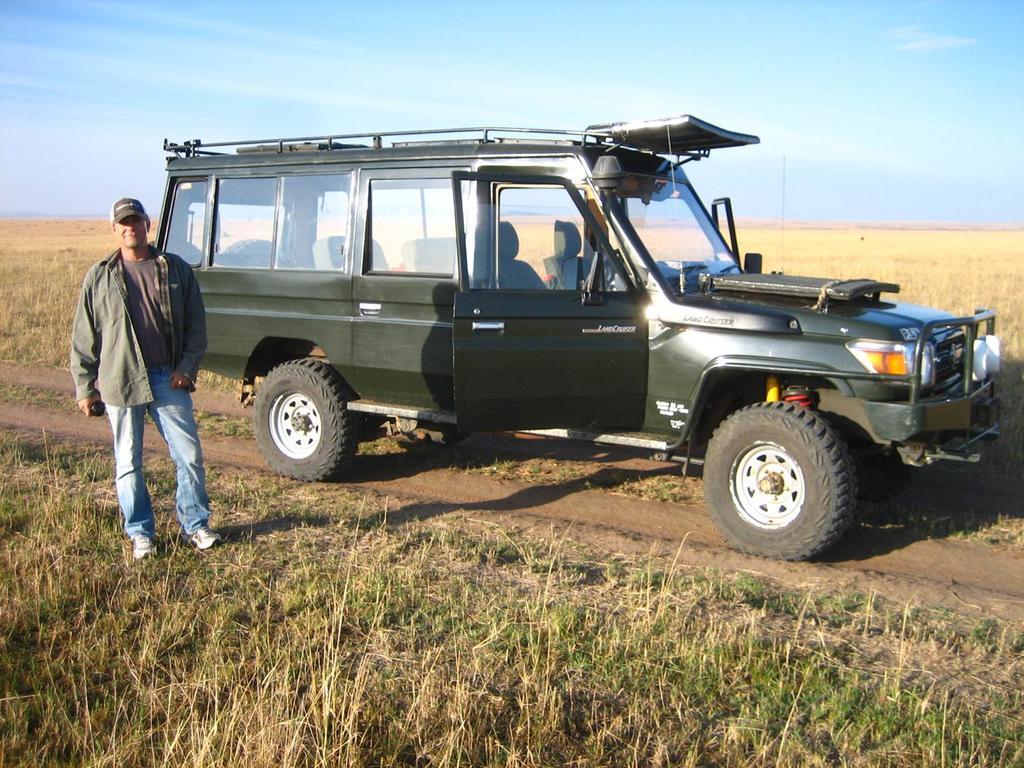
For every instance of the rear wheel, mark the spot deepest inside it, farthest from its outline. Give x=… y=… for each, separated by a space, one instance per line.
x=780 y=481
x=303 y=427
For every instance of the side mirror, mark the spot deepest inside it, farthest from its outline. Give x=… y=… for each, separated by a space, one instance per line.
x=752 y=263
x=729 y=233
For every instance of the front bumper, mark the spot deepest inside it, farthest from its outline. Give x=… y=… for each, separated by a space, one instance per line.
x=947 y=428
x=929 y=429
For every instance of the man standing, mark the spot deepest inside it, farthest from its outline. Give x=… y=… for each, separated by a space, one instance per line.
x=138 y=337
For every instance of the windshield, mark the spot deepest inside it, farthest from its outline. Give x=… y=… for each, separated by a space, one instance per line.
x=681 y=239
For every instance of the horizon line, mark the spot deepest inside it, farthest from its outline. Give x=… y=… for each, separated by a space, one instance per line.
x=768 y=221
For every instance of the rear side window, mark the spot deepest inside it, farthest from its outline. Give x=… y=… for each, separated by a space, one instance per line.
x=244 y=230
x=312 y=222
x=412 y=226
x=186 y=232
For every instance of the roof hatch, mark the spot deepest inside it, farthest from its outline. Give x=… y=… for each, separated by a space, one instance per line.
x=673 y=135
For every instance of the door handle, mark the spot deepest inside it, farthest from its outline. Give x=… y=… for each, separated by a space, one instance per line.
x=489 y=325
x=369 y=308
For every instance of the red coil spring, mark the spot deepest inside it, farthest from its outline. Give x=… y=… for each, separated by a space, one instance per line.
x=802 y=398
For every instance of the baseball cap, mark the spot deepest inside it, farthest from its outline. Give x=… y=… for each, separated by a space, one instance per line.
x=125 y=207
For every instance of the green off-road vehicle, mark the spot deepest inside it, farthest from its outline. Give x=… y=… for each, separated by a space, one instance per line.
x=570 y=283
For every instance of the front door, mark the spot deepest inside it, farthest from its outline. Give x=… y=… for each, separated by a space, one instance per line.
x=529 y=351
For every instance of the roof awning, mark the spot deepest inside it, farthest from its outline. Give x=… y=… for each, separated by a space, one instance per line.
x=673 y=135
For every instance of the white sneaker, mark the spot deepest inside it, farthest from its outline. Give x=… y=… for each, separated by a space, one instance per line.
x=204 y=537
x=142 y=546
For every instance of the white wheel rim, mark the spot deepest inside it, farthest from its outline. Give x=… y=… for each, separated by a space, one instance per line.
x=295 y=425
x=767 y=486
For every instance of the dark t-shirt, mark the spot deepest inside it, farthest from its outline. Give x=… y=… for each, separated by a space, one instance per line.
x=140 y=279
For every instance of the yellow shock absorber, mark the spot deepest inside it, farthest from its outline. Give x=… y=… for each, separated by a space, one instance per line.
x=771 y=394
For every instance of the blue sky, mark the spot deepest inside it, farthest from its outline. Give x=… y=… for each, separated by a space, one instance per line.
x=878 y=111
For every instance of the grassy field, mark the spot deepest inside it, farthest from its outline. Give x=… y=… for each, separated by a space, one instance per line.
x=333 y=631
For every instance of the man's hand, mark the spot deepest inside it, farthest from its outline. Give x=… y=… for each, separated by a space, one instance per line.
x=181 y=381
x=85 y=403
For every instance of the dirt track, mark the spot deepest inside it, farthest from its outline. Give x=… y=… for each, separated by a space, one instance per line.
x=969 y=577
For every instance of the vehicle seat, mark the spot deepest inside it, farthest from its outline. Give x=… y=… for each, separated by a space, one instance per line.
x=432 y=255
x=564 y=268
x=512 y=273
x=378 y=261
x=329 y=253
x=251 y=253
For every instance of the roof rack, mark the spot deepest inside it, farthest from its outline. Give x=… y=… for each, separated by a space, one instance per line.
x=483 y=135
x=683 y=136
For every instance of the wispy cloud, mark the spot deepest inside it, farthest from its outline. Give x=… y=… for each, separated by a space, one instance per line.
x=922 y=40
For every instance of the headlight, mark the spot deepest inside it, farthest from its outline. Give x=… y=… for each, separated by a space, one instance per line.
x=894 y=358
x=986 y=357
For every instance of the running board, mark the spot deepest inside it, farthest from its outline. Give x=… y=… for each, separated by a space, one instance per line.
x=658 y=446
x=447 y=417
x=437 y=417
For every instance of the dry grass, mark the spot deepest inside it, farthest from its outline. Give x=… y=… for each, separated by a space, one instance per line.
x=42 y=264
x=333 y=631
x=956 y=270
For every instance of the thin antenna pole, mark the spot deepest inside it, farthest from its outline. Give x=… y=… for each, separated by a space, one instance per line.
x=668 y=135
x=782 y=233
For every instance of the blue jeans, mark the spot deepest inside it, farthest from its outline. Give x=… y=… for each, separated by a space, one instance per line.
x=171 y=411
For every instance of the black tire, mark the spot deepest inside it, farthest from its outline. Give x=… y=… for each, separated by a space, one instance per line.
x=780 y=481
x=303 y=427
x=882 y=476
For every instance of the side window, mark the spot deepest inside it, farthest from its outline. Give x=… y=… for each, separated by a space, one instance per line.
x=540 y=239
x=541 y=242
x=186 y=231
x=411 y=226
x=312 y=222
x=244 y=223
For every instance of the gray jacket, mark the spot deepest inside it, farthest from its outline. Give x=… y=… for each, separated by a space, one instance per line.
x=106 y=358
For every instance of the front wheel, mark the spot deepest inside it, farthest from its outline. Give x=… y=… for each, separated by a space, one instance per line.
x=303 y=427
x=780 y=481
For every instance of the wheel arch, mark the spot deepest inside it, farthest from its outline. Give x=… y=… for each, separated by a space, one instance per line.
x=272 y=351
x=728 y=384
